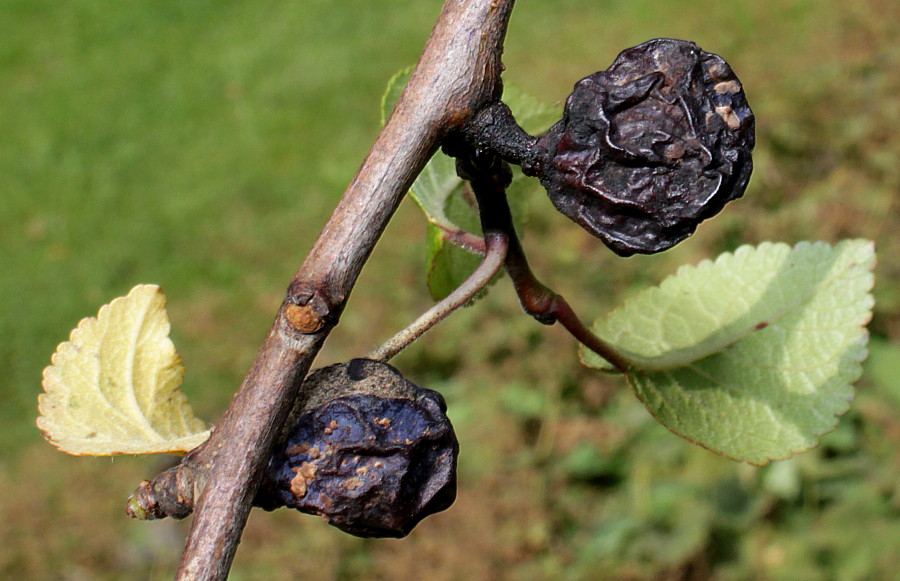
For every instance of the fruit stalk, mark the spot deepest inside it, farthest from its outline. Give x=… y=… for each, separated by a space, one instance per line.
x=489 y=177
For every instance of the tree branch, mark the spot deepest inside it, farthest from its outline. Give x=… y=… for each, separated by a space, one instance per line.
x=457 y=74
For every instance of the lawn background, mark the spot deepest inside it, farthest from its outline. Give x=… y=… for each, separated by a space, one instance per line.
x=201 y=145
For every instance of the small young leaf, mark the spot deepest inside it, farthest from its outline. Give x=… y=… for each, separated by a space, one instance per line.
x=392 y=93
x=447 y=263
x=752 y=355
x=441 y=194
x=113 y=387
x=532 y=115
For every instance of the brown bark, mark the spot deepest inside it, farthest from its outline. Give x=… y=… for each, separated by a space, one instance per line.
x=457 y=74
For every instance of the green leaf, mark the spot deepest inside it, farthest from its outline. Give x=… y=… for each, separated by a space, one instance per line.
x=113 y=387
x=753 y=355
x=449 y=206
x=446 y=263
x=532 y=115
x=393 y=91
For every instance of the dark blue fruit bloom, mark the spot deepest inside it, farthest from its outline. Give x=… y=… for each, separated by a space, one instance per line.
x=372 y=466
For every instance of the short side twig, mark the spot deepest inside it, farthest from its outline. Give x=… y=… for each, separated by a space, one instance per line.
x=496 y=244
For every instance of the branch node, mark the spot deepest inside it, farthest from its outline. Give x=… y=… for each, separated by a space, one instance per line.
x=303 y=318
x=308 y=308
x=494 y=130
x=171 y=494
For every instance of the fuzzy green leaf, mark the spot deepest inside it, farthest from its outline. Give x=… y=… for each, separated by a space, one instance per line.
x=753 y=355
x=449 y=206
x=446 y=261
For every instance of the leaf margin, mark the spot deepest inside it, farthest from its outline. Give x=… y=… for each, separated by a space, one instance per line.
x=56 y=395
x=855 y=347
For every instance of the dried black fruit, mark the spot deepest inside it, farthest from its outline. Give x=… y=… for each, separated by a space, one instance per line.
x=374 y=460
x=649 y=148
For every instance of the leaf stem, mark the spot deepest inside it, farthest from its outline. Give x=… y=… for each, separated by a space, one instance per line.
x=496 y=244
x=489 y=177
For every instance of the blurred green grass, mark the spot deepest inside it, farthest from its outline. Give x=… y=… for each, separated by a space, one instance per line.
x=201 y=146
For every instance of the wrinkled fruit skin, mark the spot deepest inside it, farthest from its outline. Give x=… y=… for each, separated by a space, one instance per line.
x=371 y=466
x=649 y=148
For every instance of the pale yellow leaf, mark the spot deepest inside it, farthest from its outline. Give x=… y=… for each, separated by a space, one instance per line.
x=112 y=387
